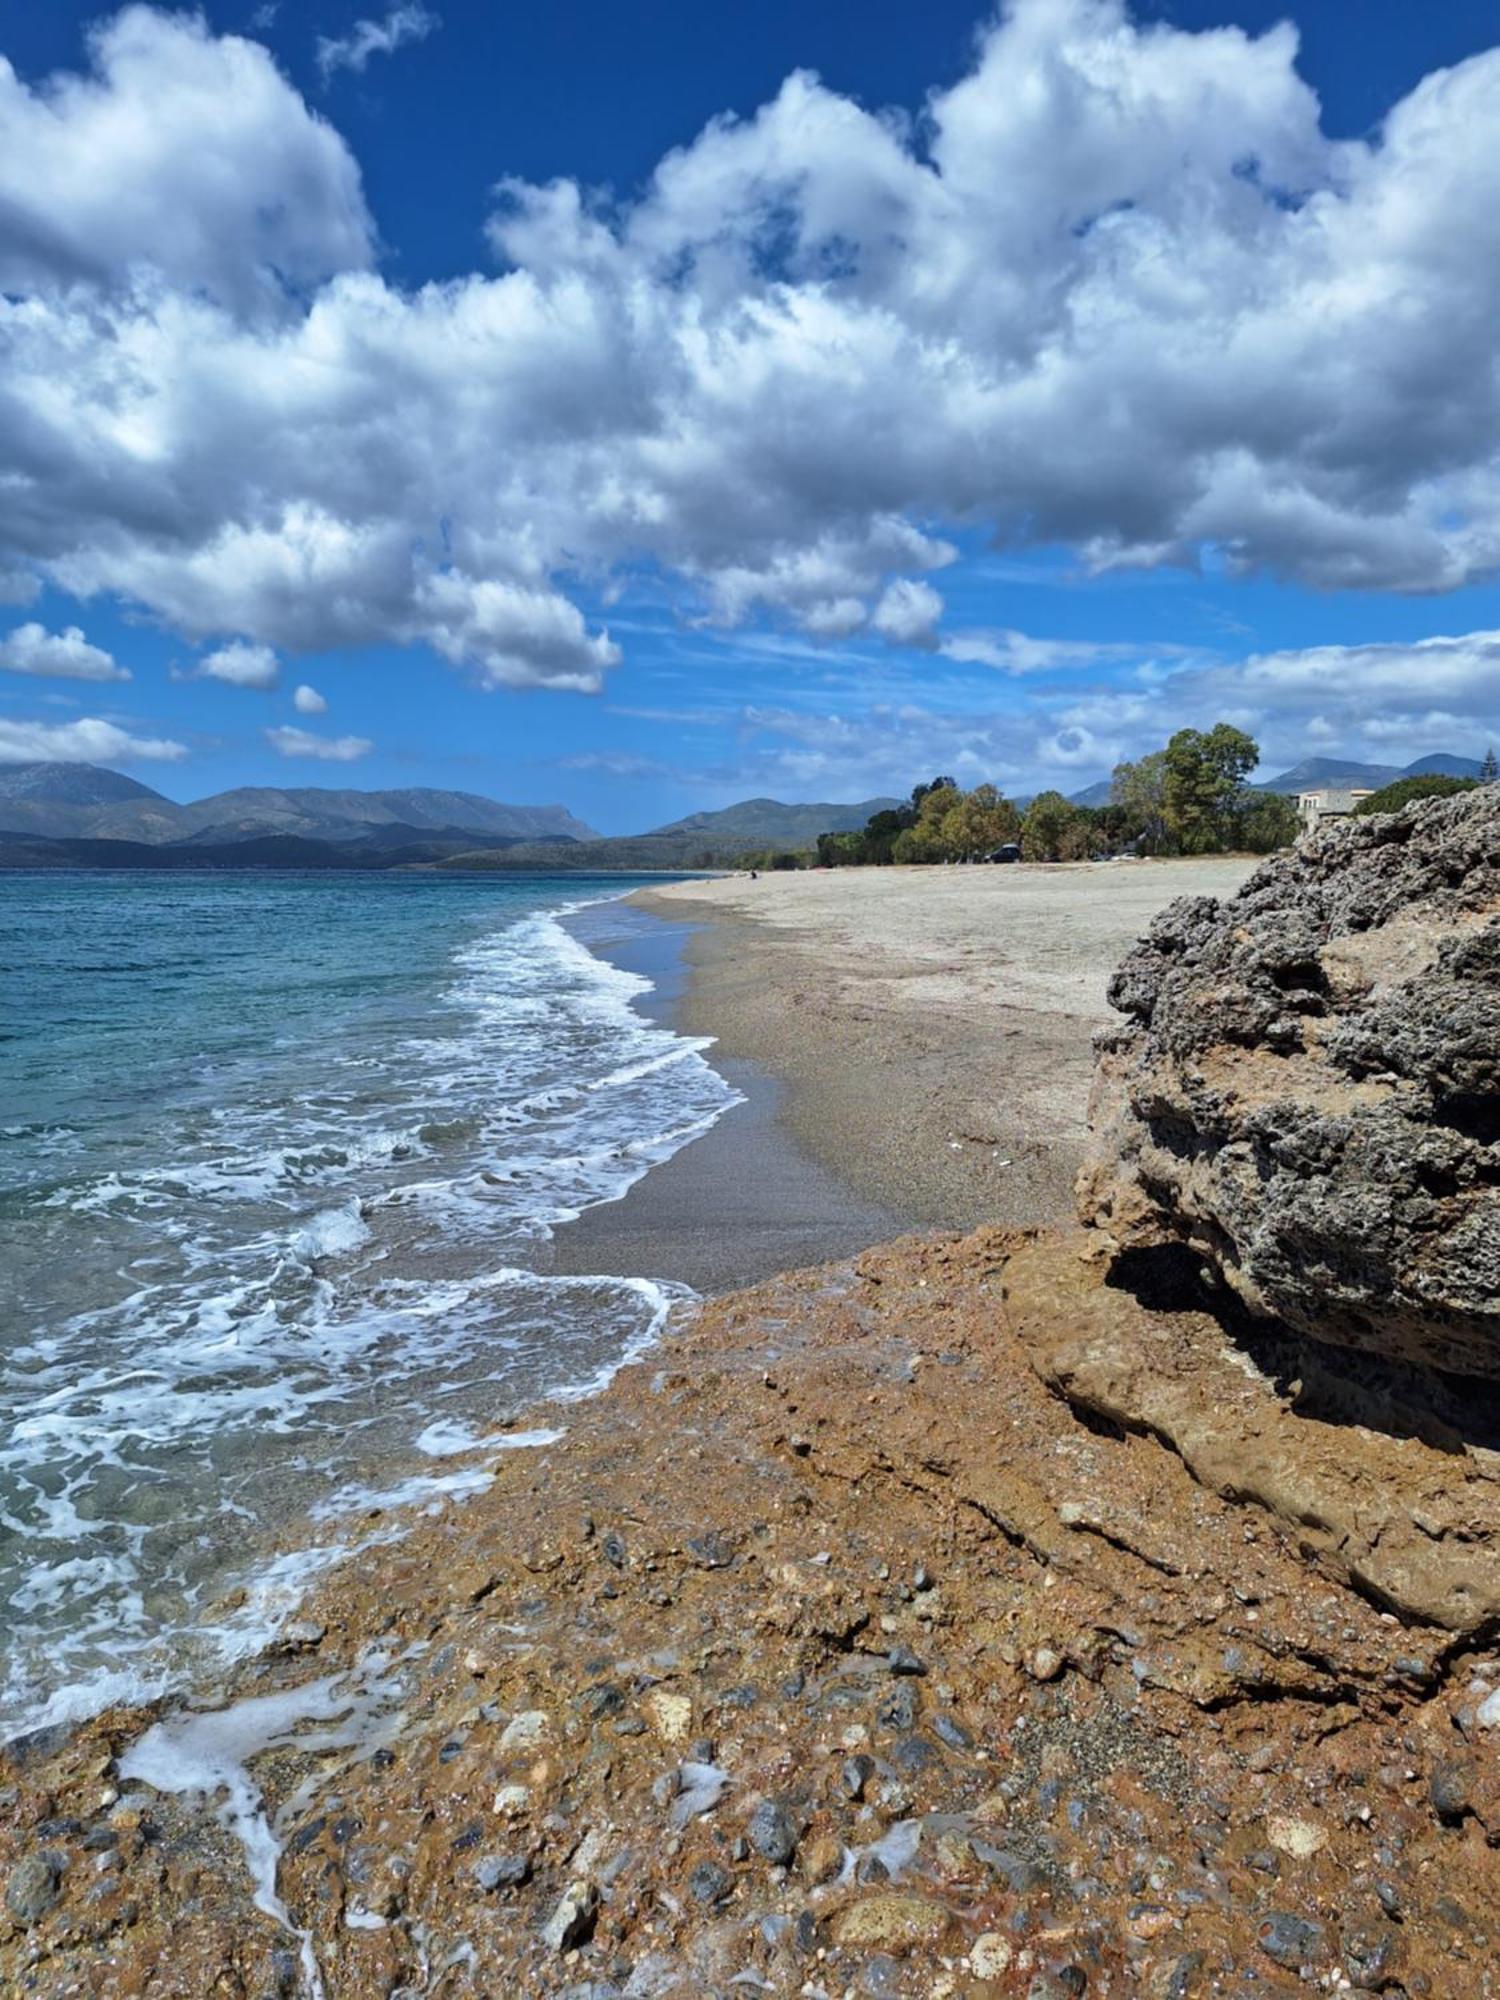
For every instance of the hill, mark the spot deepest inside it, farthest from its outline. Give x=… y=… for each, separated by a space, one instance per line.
x=319 y=813
x=80 y=801
x=83 y=802
x=1313 y=772
x=769 y=823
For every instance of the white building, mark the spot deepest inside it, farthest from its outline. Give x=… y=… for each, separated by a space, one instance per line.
x=1316 y=809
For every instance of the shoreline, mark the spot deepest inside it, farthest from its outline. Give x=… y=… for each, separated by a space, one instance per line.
x=745 y=1200
x=834 y=1648
x=939 y=1069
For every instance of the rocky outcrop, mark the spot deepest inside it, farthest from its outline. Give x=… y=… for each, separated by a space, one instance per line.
x=1305 y=1090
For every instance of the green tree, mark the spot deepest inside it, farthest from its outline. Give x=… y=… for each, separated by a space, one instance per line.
x=1391 y=798
x=1051 y=823
x=1139 y=791
x=1264 y=821
x=916 y=844
x=1205 y=772
x=977 y=822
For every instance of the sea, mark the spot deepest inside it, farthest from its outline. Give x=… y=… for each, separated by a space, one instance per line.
x=281 y=1158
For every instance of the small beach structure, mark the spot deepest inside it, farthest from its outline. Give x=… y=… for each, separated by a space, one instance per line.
x=1317 y=808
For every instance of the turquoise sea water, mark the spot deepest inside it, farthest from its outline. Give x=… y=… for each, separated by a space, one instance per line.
x=279 y=1159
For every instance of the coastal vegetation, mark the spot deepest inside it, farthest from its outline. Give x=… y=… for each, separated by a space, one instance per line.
x=1191 y=797
x=1391 y=798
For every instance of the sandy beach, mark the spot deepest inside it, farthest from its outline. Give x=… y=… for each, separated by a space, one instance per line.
x=839 y=1649
x=930 y=1027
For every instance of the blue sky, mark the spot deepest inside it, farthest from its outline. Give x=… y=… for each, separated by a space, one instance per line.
x=572 y=407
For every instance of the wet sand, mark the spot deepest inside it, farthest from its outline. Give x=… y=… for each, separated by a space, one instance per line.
x=744 y=1201
x=922 y=1034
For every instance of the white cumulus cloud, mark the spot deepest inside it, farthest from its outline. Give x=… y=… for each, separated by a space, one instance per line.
x=407 y=23
x=90 y=740
x=239 y=665
x=908 y=613
x=307 y=701
x=1116 y=291
x=290 y=742
x=184 y=160
x=65 y=655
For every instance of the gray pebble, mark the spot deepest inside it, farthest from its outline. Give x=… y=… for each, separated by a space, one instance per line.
x=1291 y=1941
x=899 y=1708
x=33 y=1886
x=708 y=1883
x=902 y=1660
x=772 y=1833
x=572 y=1920
x=911 y=1754
x=1450 y=1789
x=502 y=1871
x=855 y=1774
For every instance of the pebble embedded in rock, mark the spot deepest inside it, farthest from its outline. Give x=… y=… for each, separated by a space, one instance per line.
x=1371 y=1953
x=33 y=1887
x=902 y=1660
x=772 y=1834
x=892 y=1923
x=1292 y=1941
x=990 y=1955
x=708 y=1883
x=502 y=1871
x=899 y=1708
x=671 y=1714
x=1044 y=1664
x=525 y=1731
x=572 y=1920
x=854 y=1774
x=1451 y=1789
x=1301 y=1838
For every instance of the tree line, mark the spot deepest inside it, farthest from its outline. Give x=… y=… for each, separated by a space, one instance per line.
x=1189 y=798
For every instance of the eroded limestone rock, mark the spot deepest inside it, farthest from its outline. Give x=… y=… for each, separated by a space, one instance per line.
x=1306 y=1087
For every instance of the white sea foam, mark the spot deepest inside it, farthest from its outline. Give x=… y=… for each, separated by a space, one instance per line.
x=446 y=1439
x=207 y=1754
x=324 y=1276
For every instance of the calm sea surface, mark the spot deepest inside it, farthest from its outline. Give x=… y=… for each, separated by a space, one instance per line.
x=279 y=1157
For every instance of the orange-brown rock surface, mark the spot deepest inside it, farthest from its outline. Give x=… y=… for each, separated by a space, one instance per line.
x=859 y=1641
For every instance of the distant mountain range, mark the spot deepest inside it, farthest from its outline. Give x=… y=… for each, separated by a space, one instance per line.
x=81 y=802
x=1337 y=772
x=79 y=816
x=769 y=823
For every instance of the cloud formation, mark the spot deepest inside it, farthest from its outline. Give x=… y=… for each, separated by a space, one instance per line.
x=182 y=168
x=307 y=701
x=240 y=665
x=65 y=655
x=290 y=742
x=90 y=740
x=908 y=614
x=408 y=23
x=1115 y=290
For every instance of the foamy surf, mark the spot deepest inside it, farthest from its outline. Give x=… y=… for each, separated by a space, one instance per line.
x=206 y=1754
x=308 y=1274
